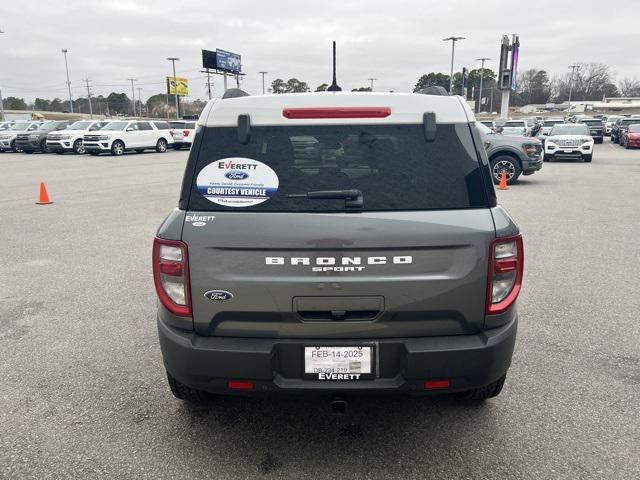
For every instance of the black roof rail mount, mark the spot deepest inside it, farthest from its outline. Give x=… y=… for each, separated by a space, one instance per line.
x=235 y=93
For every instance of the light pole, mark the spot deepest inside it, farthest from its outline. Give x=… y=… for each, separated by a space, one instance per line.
x=140 y=99
x=89 y=98
x=372 y=80
x=573 y=70
x=482 y=59
x=263 y=74
x=175 y=83
x=453 y=41
x=133 y=95
x=66 y=66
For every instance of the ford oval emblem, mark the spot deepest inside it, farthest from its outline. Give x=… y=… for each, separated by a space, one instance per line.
x=218 y=295
x=236 y=175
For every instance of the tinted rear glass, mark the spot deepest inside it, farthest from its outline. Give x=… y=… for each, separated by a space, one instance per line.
x=392 y=165
x=593 y=123
x=514 y=124
x=162 y=125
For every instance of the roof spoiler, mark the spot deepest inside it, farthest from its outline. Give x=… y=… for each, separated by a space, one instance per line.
x=235 y=93
x=434 y=90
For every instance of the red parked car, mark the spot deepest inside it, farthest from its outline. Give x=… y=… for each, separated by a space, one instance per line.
x=630 y=138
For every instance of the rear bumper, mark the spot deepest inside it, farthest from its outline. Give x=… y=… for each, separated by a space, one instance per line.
x=276 y=365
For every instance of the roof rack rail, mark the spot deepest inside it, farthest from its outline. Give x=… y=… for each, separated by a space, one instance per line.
x=434 y=90
x=235 y=93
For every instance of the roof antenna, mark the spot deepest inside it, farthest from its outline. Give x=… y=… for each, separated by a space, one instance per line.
x=334 y=86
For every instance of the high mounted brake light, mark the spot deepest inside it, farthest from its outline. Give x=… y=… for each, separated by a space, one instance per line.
x=171 y=276
x=504 y=280
x=336 y=112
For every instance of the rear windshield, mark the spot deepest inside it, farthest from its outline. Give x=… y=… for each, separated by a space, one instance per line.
x=518 y=123
x=629 y=121
x=392 y=165
x=550 y=123
x=634 y=128
x=592 y=123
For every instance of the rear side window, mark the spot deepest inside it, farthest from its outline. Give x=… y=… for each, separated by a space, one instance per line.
x=144 y=126
x=392 y=165
x=162 y=125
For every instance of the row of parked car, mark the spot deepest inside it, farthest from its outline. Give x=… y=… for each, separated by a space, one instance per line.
x=623 y=129
x=95 y=136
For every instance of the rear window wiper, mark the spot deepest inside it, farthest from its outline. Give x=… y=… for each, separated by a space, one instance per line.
x=352 y=198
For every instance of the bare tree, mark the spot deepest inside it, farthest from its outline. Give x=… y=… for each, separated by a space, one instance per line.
x=629 y=87
x=591 y=81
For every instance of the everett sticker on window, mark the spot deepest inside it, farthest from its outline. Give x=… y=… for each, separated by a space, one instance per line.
x=237 y=182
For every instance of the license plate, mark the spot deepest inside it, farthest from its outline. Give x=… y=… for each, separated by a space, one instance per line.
x=338 y=363
x=568 y=150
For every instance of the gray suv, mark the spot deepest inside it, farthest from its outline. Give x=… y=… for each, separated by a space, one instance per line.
x=515 y=155
x=345 y=243
x=36 y=140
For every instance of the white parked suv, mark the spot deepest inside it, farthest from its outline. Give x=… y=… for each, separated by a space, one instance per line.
x=8 y=137
x=521 y=126
x=70 y=139
x=118 y=136
x=183 y=132
x=569 y=141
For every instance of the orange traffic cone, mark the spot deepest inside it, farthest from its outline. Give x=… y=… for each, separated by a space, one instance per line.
x=44 y=196
x=503 y=181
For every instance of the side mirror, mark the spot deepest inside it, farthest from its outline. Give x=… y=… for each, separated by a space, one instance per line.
x=130 y=129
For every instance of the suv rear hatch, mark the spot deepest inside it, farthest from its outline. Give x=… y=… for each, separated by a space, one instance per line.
x=411 y=261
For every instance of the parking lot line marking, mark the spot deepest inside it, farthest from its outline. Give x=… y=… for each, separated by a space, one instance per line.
x=612 y=146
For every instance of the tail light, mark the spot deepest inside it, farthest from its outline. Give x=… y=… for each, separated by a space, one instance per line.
x=337 y=112
x=505 y=273
x=171 y=276
x=185 y=133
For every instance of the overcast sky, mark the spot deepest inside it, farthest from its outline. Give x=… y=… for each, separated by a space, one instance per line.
x=393 y=41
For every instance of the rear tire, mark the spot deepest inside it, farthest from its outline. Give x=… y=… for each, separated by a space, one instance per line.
x=507 y=163
x=117 y=148
x=161 y=145
x=44 y=148
x=182 y=392
x=483 y=393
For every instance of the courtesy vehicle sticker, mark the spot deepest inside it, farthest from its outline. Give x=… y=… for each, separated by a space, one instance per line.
x=237 y=182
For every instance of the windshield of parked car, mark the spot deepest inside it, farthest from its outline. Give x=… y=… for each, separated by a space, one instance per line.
x=391 y=165
x=628 y=121
x=565 y=129
x=5 y=126
x=114 y=126
x=635 y=128
x=551 y=123
x=45 y=127
x=19 y=126
x=514 y=123
x=79 y=126
x=592 y=123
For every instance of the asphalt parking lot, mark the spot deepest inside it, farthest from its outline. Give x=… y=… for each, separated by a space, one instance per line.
x=83 y=389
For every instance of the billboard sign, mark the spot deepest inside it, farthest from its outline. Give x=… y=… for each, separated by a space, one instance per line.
x=227 y=61
x=178 y=86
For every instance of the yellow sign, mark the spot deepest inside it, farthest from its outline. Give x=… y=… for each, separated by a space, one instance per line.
x=178 y=86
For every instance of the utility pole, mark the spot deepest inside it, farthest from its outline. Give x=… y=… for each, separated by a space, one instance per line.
x=86 y=80
x=481 y=59
x=66 y=66
x=453 y=41
x=209 y=83
x=133 y=94
x=263 y=74
x=573 y=70
x=140 y=99
x=173 y=60
x=372 y=80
